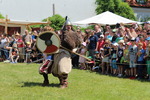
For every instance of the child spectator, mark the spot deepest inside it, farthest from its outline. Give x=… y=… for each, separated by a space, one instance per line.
x=133 y=57
x=125 y=61
x=114 y=51
x=106 y=54
x=28 y=51
x=119 y=56
x=100 y=42
x=140 y=61
x=14 y=55
x=97 y=61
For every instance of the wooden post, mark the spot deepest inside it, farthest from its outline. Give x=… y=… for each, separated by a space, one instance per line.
x=53 y=9
x=6 y=24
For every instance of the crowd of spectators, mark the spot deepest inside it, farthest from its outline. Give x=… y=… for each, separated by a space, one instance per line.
x=19 y=48
x=120 y=50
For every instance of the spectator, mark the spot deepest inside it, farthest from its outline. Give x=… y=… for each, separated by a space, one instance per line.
x=114 y=51
x=92 y=43
x=133 y=57
x=14 y=55
x=20 y=45
x=119 y=56
x=100 y=42
x=142 y=40
x=106 y=54
x=140 y=61
x=28 y=51
x=98 y=30
x=4 y=51
x=27 y=38
x=125 y=61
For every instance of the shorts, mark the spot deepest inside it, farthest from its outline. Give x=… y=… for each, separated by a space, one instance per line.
x=106 y=59
x=132 y=64
x=113 y=64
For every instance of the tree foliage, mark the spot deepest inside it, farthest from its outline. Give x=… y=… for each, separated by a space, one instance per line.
x=115 y=6
x=1 y=16
x=56 y=21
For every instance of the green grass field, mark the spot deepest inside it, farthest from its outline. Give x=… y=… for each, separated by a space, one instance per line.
x=22 y=82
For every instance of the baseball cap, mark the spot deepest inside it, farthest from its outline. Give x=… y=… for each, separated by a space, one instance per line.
x=102 y=36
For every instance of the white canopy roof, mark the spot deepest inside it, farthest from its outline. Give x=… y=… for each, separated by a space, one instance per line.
x=105 y=18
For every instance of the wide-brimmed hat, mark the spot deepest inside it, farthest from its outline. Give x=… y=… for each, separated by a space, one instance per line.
x=121 y=41
x=17 y=34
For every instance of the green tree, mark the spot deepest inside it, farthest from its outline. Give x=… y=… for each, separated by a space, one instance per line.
x=57 y=21
x=115 y=6
x=1 y=16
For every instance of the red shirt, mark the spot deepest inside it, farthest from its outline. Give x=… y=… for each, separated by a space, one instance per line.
x=20 y=43
x=100 y=44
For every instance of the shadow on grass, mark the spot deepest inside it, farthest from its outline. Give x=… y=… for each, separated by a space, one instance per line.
x=32 y=84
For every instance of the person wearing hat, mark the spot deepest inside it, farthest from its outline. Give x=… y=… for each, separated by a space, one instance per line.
x=113 y=58
x=101 y=42
x=115 y=36
x=61 y=64
x=133 y=57
x=119 y=56
x=20 y=45
x=68 y=28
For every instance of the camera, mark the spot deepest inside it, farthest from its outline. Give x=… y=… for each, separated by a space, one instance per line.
x=148 y=33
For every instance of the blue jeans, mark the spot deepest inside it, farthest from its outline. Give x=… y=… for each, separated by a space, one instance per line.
x=5 y=52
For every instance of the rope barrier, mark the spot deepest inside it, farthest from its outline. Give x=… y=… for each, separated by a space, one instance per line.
x=105 y=62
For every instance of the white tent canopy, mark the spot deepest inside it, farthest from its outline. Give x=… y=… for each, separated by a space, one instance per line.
x=105 y=18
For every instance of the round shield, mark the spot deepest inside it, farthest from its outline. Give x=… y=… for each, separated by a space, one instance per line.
x=48 y=42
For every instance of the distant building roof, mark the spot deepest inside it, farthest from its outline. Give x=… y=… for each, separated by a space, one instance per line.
x=138 y=3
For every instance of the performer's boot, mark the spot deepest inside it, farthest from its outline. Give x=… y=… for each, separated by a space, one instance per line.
x=46 y=81
x=63 y=81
